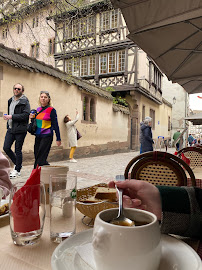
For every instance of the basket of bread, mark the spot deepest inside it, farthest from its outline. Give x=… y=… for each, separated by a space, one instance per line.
x=4 y=209
x=94 y=199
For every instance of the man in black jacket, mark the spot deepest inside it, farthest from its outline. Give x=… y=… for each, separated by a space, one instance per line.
x=17 y=120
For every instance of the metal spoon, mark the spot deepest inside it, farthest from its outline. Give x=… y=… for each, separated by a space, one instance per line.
x=121 y=220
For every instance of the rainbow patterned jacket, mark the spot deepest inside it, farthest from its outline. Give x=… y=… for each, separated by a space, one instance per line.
x=47 y=122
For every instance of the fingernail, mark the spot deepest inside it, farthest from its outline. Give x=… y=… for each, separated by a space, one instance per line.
x=128 y=201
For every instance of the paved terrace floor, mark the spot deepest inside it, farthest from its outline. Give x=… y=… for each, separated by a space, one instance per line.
x=92 y=170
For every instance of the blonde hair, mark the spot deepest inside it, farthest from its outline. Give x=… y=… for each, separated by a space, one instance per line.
x=48 y=95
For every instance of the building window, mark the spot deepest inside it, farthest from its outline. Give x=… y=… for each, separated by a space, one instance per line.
x=34 y=51
x=5 y=33
x=84 y=66
x=83 y=26
x=85 y=100
x=80 y=27
x=112 y=62
x=169 y=124
x=109 y=20
x=37 y=50
x=51 y=46
x=155 y=76
x=75 y=28
x=75 y=67
x=91 y=25
x=91 y=69
x=20 y=28
x=152 y=115
x=35 y=22
x=103 y=63
x=89 y=109
x=121 y=60
x=143 y=112
x=92 y=110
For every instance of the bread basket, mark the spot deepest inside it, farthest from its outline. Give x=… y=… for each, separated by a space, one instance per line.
x=92 y=209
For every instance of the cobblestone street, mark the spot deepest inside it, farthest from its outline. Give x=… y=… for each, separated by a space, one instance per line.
x=92 y=170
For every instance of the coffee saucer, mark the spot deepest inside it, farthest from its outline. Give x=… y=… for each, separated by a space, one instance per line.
x=176 y=254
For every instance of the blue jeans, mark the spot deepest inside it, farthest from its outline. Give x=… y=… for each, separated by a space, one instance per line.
x=16 y=157
x=140 y=148
x=177 y=146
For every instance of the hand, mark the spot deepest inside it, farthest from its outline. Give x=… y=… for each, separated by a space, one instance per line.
x=58 y=143
x=31 y=116
x=7 y=117
x=140 y=194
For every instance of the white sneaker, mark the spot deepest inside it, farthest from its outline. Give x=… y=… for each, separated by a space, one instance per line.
x=14 y=174
x=73 y=160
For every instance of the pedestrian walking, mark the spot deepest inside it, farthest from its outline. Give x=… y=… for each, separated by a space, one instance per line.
x=141 y=124
x=17 y=120
x=190 y=140
x=175 y=137
x=72 y=134
x=46 y=121
x=146 y=138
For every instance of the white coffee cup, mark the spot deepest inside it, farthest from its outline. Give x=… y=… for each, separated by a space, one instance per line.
x=120 y=247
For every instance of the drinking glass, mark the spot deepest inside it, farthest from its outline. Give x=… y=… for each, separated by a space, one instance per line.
x=62 y=207
x=27 y=213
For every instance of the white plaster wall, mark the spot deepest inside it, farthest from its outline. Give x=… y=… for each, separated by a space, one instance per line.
x=110 y=126
x=180 y=108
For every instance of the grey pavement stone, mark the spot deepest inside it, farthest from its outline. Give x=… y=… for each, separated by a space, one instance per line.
x=92 y=170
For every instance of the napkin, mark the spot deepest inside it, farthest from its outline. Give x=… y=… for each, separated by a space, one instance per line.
x=25 y=206
x=86 y=254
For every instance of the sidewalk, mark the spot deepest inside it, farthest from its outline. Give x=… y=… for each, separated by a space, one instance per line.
x=93 y=170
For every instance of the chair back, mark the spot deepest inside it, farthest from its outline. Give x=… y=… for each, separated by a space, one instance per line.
x=160 y=168
x=194 y=154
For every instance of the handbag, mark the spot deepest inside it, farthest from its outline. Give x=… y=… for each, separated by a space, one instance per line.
x=31 y=127
x=78 y=134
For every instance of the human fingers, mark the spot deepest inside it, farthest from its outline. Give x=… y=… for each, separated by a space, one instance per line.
x=111 y=184
x=131 y=203
x=134 y=185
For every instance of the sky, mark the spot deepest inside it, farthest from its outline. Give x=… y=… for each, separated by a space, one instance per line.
x=195 y=103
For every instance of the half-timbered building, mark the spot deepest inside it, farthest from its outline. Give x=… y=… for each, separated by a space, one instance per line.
x=89 y=41
x=92 y=44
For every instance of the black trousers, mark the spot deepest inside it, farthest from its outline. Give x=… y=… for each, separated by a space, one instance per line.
x=41 y=150
x=16 y=157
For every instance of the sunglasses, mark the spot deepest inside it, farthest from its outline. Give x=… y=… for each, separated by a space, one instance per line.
x=15 y=88
x=44 y=92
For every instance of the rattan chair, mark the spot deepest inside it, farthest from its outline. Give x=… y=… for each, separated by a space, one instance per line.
x=194 y=153
x=160 y=168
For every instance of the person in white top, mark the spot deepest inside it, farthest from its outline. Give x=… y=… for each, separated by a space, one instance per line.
x=72 y=134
